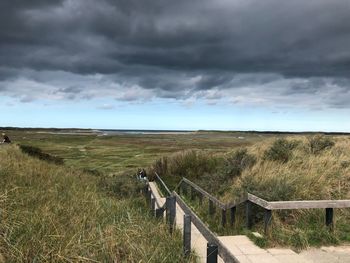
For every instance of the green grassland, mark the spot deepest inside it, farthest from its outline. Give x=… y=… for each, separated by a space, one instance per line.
x=226 y=164
x=61 y=213
x=118 y=153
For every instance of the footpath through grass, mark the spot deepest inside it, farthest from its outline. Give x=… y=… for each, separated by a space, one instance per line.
x=51 y=213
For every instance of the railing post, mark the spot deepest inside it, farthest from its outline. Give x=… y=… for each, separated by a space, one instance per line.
x=184 y=189
x=211 y=207
x=223 y=217
x=267 y=220
x=233 y=216
x=212 y=253
x=329 y=218
x=153 y=206
x=171 y=212
x=159 y=212
x=193 y=193
x=149 y=196
x=200 y=198
x=145 y=190
x=248 y=214
x=187 y=235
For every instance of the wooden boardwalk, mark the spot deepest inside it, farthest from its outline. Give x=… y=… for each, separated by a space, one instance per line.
x=243 y=249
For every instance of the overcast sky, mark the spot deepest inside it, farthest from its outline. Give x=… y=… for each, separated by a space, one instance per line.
x=161 y=64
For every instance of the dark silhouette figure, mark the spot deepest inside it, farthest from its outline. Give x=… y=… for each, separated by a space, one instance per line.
x=6 y=139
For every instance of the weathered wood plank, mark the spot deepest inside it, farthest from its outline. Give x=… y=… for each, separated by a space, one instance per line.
x=153 y=205
x=258 y=201
x=248 y=215
x=187 y=235
x=223 y=217
x=267 y=220
x=171 y=212
x=160 y=212
x=329 y=218
x=308 y=204
x=212 y=253
x=232 y=216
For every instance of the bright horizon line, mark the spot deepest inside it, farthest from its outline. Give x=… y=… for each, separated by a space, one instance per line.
x=175 y=130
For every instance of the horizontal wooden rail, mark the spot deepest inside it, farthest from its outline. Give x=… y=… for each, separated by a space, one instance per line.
x=224 y=253
x=163 y=184
x=272 y=205
x=205 y=193
x=280 y=205
x=178 y=185
x=268 y=206
x=258 y=201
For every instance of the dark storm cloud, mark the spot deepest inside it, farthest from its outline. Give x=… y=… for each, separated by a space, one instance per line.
x=177 y=49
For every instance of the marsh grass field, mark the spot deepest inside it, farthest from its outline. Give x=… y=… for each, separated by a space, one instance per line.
x=126 y=152
x=90 y=208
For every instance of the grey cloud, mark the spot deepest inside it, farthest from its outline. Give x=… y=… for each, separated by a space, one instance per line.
x=177 y=50
x=294 y=38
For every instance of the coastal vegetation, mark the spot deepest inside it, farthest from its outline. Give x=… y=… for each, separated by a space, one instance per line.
x=74 y=195
x=53 y=213
x=312 y=167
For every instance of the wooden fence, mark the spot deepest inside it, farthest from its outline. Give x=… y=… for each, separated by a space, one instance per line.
x=215 y=246
x=250 y=199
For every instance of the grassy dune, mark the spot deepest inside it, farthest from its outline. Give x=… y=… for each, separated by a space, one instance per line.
x=290 y=169
x=305 y=176
x=52 y=213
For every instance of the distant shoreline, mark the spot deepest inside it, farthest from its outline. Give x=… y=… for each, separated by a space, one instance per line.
x=144 y=131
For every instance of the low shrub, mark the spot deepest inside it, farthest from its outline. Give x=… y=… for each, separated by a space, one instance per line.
x=281 y=150
x=123 y=186
x=160 y=166
x=319 y=143
x=214 y=183
x=38 y=153
x=190 y=164
x=238 y=161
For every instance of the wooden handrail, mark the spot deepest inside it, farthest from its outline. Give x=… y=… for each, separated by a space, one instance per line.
x=258 y=201
x=224 y=253
x=203 y=192
x=271 y=205
x=268 y=206
x=162 y=183
x=280 y=205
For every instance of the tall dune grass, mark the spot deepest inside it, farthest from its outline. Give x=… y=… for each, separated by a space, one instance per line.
x=294 y=168
x=50 y=213
x=308 y=174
